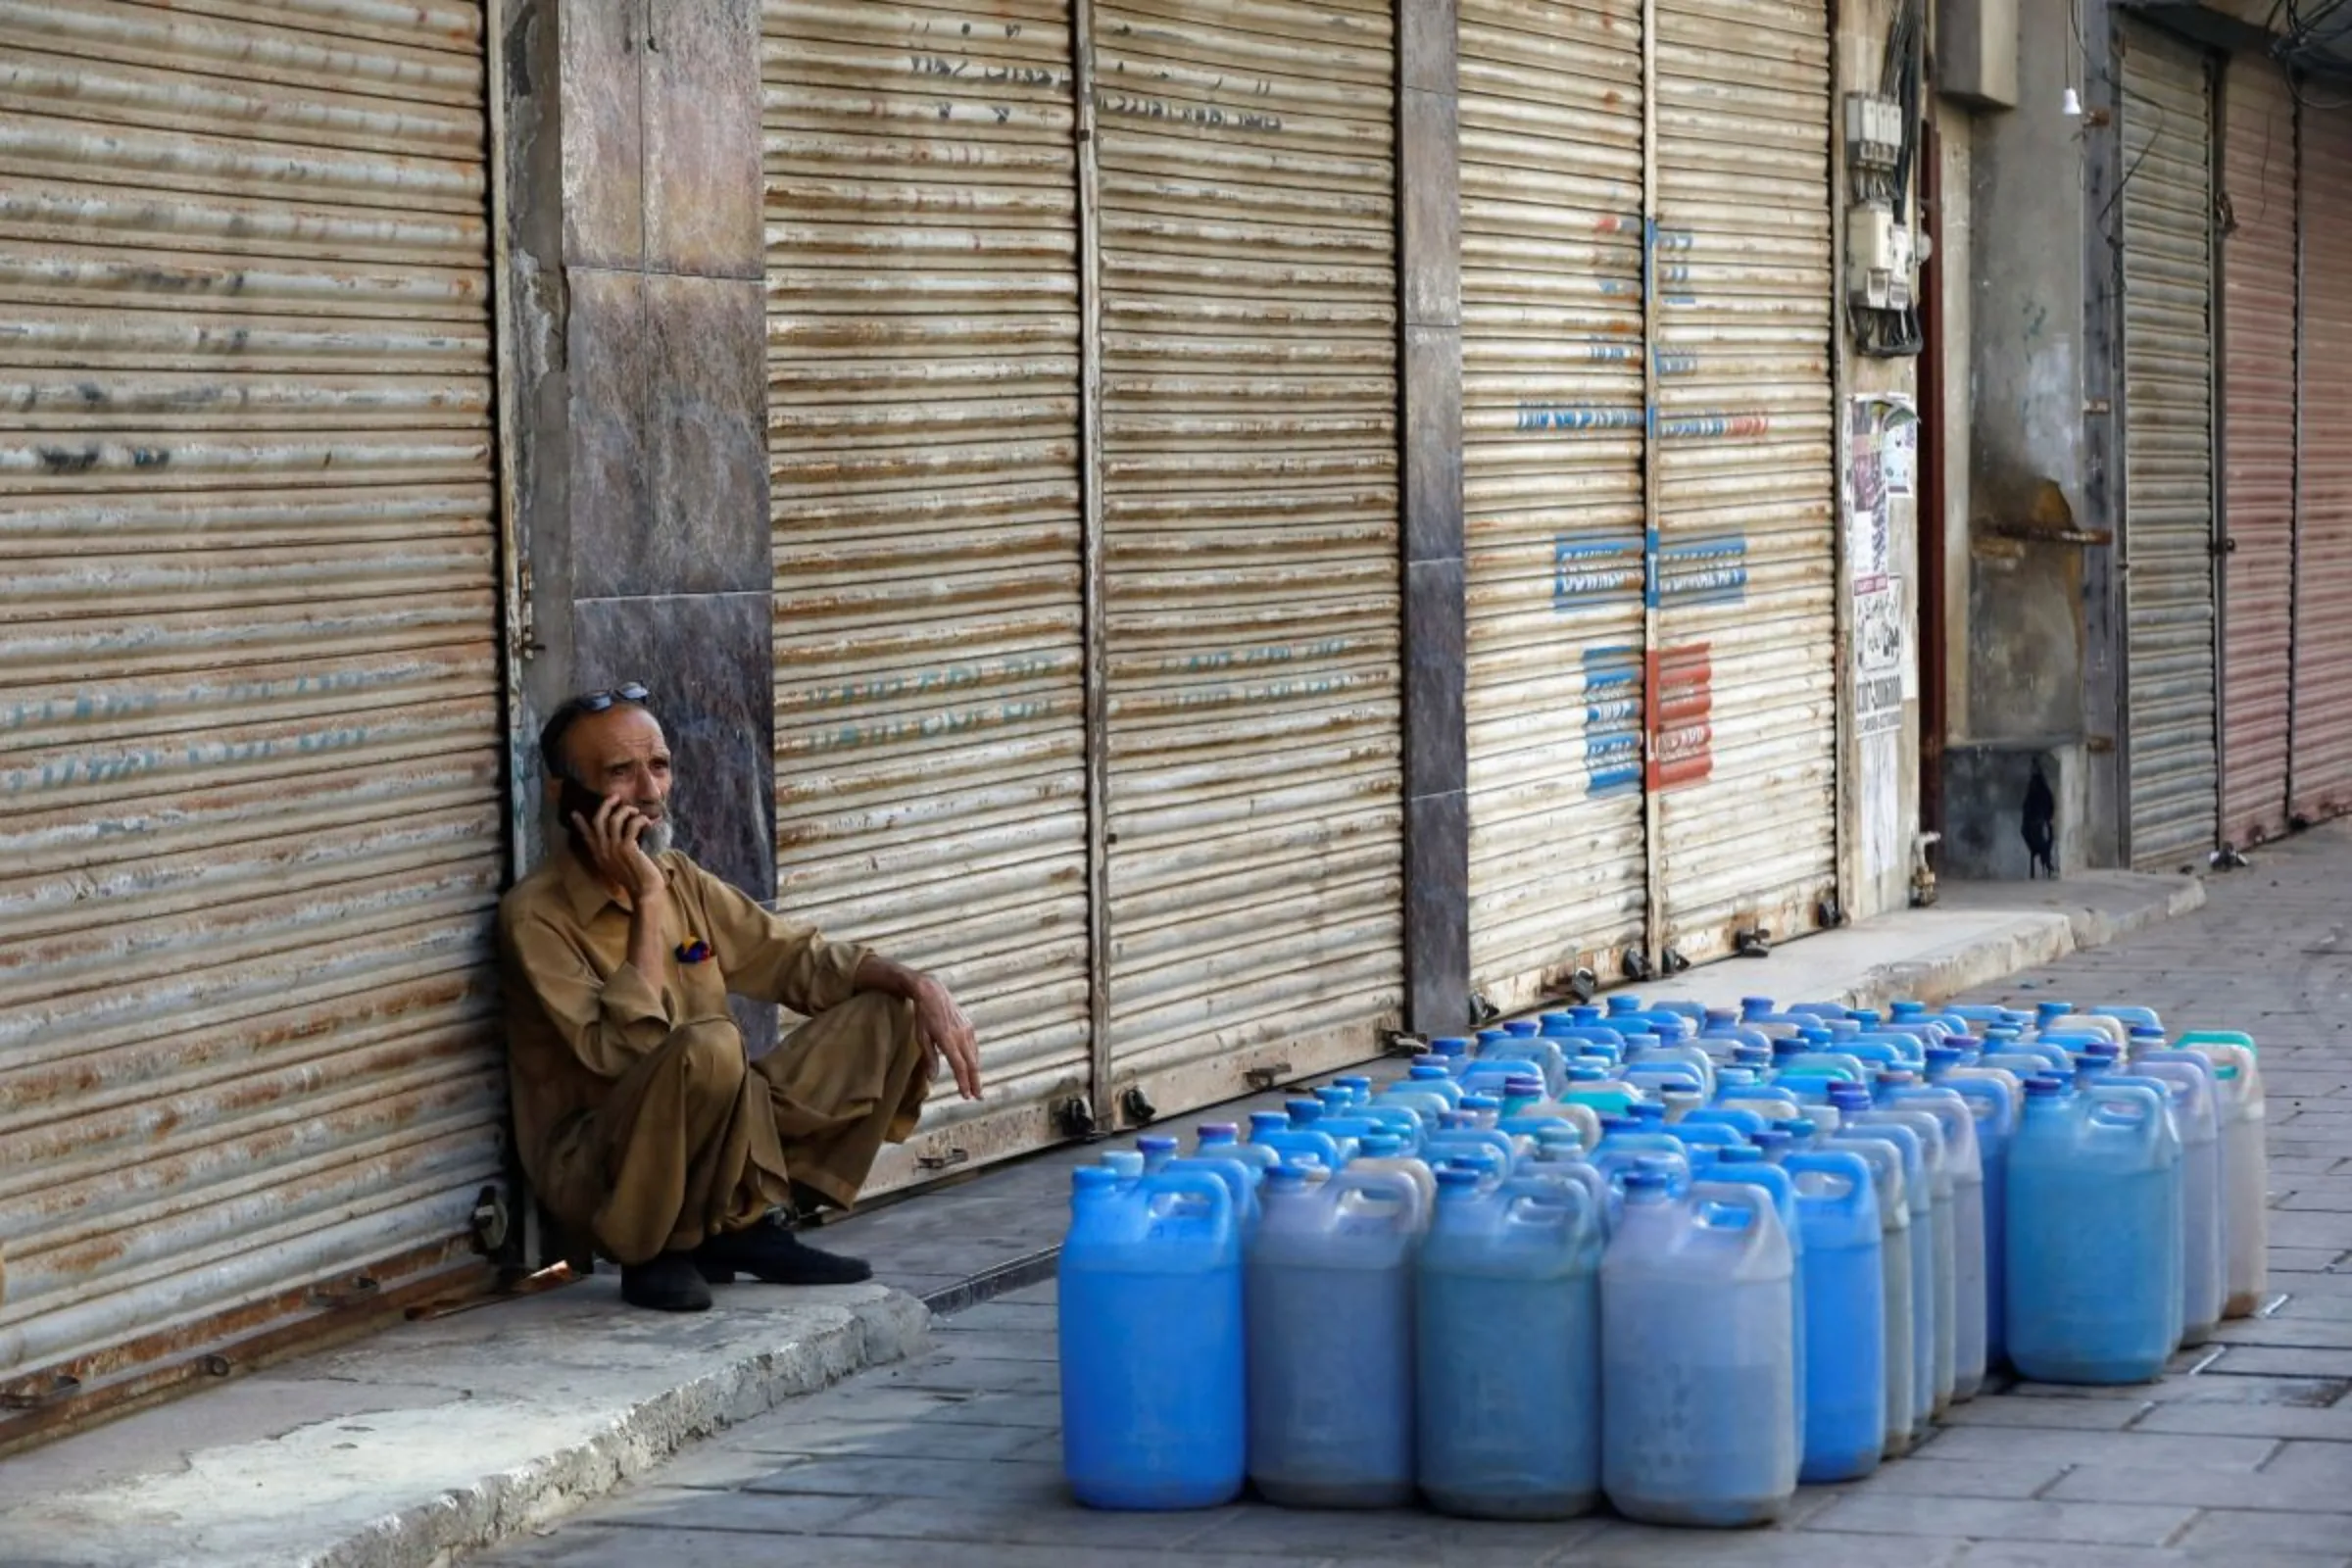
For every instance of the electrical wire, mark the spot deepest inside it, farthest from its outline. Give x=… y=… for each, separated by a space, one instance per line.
x=2309 y=32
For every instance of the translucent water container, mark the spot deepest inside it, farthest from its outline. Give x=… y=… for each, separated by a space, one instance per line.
x=1329 y=1319
x=1508 y=1330
x=1763 y=1015
x=2204 y=1257
x=1698 y=1385
x=1891 y=1182
x=1624 y=1143
x=1271 y=1129
x=1381 y=1151
x=1745 y=1164
x=2093 y=1231
x=1242 y=1180
x=2174 y=1097
x=1995 y=1097
x=1223 y=1139
x=1845 y=1313
x=1963 y=1162
x=1152 y=1341
x=1919 y=1185
x=2245 y=1164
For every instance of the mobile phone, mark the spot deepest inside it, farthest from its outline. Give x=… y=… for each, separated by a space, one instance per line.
x=576 y=797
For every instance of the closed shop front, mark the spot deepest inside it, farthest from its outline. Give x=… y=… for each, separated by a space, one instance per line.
x=2257 y=255
x=923 y=415
x=2167 y=378
x=1249 y=516
x=1553 y=397
x=252 y=752
x=1083 y=438
x=1648 y=471
x=2320 y=760
x=1743 y=665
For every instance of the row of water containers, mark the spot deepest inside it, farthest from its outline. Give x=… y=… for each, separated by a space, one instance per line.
x=1683 y=1259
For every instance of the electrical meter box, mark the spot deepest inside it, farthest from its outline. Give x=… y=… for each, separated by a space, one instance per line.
x=1875 y=257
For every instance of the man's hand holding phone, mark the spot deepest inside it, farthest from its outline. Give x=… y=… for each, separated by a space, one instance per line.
x=604 y=831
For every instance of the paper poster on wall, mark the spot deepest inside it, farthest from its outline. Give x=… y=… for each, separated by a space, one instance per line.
x=1880 y=464
x=1879 y=657
x=1902 y=454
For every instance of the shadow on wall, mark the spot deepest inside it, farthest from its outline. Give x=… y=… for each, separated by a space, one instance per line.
x=1992 y=810
x=2025 y=619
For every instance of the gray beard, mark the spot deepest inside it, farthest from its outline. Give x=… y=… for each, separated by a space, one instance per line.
x=656 y=838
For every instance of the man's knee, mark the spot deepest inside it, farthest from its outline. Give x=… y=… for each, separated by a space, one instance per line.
x=878 y=1017
x=709 y=1055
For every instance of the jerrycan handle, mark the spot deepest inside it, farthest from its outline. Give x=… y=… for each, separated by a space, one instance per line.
x=2216 y=1037
x=1837 y=1178
x=1551 y=1206
x=2137 y=1107
x=1988 y=1098
x=1197 y=1196
x=1712 y=1204
x=1382 y=1186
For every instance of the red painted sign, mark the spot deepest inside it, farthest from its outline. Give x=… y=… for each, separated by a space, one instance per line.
x=1680 y=698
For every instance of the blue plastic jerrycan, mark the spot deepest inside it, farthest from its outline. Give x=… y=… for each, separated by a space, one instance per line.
x=1745 y=1163
x=2093 y=1231
x=1846 y=1314
x=1964 y=1163
x=1330 y=1345
x=1995 y=1095
x=1272 y=1129
x=1508 y=1328
x=2204 y=1209
x=1223 y=1139
x=2174 y=1138
x=1891 y=1181
x=1698 y=1376
x=1242 y=1180
x=1152 y=1341
x=1930 y=1193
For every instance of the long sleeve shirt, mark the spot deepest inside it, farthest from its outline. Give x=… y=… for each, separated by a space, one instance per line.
x=579 y=1014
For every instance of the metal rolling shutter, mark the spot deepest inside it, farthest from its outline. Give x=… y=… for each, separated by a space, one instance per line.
x=1553 y=394
x=2258 y=424
x=2320 y=769
x=251 y=787
x=1249 y=311
x=1743 y=675
x=2168 y=447
x=923 y=418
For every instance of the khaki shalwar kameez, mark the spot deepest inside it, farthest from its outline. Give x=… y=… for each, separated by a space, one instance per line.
x=639 y=1118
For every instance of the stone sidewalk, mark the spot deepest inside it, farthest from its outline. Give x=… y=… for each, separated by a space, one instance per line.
x=2242 y=1453
x=438 y=1436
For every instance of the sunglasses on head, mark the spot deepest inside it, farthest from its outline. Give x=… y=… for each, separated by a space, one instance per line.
x=598 y=702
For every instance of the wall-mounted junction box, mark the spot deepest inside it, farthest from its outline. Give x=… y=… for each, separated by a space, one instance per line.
x=1880 y=269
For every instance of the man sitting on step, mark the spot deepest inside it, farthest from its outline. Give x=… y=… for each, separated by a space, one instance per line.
x=640 y=1119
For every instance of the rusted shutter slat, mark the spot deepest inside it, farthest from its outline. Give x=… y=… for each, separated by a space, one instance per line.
x=251 y=746
x=1743 y=677
x=2168 y=447
x=1553 y=394
x=2258 y=478
x=1249 y=316
x=924 y=438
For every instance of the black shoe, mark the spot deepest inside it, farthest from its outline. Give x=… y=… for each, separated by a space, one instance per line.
x=770 y=1253
x=666 y=1284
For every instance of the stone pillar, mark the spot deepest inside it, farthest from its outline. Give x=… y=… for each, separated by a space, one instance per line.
x=635 y=235
x=637 y=312
x=1437 y=819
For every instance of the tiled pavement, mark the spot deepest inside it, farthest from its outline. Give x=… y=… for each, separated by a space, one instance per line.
x=2242 y=1455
